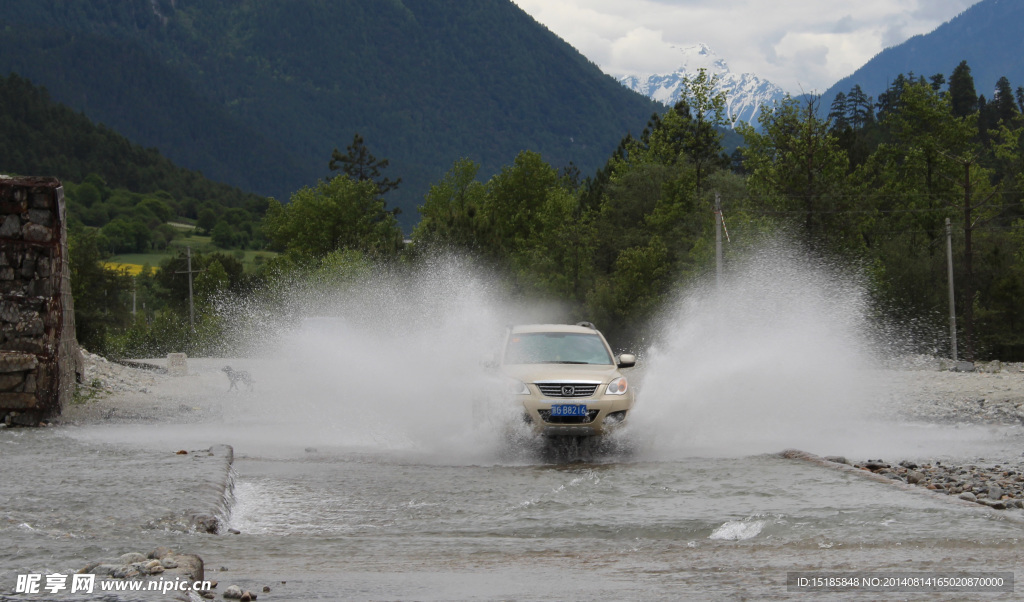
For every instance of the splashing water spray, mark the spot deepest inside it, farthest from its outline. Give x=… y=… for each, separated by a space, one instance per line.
x=393 y=361
x=774 y=357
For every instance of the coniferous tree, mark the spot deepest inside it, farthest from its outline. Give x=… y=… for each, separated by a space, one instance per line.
x=859 y=107
x=360 y=164
x=837 y=113
x=961 y=91
x=889 y=101
x=1003 y=104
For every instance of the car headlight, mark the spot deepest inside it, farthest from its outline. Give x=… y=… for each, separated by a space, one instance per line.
x=617 y=386
x=517 y=387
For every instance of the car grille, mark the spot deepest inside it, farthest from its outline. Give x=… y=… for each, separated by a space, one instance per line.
x=567 y=389
x=546 y=416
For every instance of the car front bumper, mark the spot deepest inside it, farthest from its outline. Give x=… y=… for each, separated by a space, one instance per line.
x=604 y=414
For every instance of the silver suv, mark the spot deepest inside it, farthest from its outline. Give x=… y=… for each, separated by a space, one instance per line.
x=567 y=379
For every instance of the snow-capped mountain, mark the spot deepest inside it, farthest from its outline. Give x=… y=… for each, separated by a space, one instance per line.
x=745 y=94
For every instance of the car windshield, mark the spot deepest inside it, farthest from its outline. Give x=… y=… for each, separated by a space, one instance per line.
x=556 y=348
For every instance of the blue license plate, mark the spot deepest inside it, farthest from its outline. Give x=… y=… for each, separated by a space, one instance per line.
x=568 y=409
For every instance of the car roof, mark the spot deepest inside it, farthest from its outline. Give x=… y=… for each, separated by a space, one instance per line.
x=570 y=328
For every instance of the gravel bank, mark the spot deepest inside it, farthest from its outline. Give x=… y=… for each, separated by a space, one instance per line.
x=114 y=392
x=994 y=394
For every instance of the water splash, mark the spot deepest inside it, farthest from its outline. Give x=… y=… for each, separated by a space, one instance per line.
x=774 y=357
x=780 y=355
x=394 y=361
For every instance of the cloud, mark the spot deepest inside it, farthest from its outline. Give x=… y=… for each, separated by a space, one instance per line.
x=643 y=49
x=797 y=44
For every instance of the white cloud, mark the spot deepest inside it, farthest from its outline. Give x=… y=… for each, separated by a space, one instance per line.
x=800 y=45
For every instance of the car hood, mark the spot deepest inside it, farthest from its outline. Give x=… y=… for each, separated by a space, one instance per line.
x=560 y=372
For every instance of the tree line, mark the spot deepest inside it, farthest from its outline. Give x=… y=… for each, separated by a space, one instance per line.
x=871 y=181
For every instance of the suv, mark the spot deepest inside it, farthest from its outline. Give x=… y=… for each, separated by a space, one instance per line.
x=567 y=378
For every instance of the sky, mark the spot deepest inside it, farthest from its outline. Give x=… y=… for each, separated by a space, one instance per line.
x=799 y=45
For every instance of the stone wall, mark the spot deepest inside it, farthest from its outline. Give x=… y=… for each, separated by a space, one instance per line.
x=38 y=351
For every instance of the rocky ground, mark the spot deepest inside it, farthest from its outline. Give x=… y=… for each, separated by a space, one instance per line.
x=144 y=391
x=932 y=392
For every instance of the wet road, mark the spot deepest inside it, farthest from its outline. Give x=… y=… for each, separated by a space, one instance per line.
x=332 y=522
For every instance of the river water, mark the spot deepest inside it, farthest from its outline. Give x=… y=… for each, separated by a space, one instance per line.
x=332 y=522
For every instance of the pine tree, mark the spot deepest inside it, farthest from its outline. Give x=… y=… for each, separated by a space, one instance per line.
x=858 y=108
x=361 y=165
x=837 y=114
x=1003 y=104
x=961 y=91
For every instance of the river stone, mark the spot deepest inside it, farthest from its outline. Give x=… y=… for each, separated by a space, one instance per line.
x=101 y=569
x=159 y=552
x=168 y=563
x=232 y=592
x=189 y=565
x=914 y=477
x=131 y=557
x=124 y=572
x=967 y=495
x=204 y=523
x=995 y=493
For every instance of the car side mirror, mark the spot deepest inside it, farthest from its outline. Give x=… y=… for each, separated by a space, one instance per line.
x=626 y=360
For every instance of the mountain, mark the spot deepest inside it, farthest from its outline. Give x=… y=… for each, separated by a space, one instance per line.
x=986 y=35
x=745 y=93
x=44 y=137
x=257 y=94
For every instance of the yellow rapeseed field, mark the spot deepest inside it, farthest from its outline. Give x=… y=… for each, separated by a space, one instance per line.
x=132 y=269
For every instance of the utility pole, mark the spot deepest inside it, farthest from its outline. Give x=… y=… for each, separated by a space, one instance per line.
x=952 y=303
x=967 y=278
x=719 y=228
x=968 y=274
x=718 y=240
x=191 y=306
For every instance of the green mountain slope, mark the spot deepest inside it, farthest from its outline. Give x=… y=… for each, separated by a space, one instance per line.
x=986 y=35
x=46 y=138
x=258 y=94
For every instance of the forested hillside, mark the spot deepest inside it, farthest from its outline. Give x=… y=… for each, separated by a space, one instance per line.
x=43 y=137
x=986 y=35
x=128 y=192
x=258 y=94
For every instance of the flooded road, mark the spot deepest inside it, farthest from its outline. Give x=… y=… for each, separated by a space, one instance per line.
x=336 y=523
